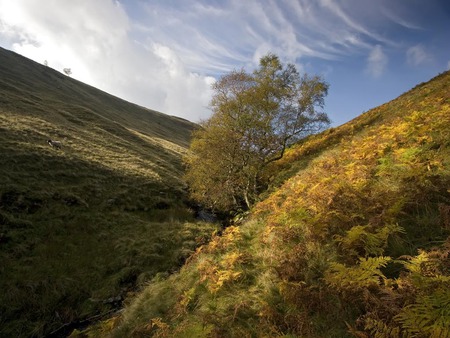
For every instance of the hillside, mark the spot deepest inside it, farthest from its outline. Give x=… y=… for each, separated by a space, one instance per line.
x=353 y=240
x=82 y=226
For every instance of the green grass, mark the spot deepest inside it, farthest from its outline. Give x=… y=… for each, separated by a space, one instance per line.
x=94 y=220
x=351 y=240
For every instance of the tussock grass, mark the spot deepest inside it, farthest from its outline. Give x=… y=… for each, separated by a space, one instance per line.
x=94 y=220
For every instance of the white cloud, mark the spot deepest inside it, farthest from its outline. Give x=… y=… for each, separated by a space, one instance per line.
x=448 y=65
x=235 y=32
x=398 y=20
x=417 y=55
x=100 y=51
x=350 y=24
x=165 y=54
x=376 y=62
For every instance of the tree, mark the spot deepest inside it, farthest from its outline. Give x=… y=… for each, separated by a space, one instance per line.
x=255 y=117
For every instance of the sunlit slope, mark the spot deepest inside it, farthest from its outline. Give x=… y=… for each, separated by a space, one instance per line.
x=82 y=225
x=84 y=118
x=353 y=243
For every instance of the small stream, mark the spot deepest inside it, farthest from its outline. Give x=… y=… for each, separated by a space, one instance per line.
x=65 y=330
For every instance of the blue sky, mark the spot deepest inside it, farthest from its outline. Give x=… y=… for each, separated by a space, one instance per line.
x=165 y=54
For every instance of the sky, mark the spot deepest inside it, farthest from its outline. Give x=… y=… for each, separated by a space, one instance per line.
x=166 y=54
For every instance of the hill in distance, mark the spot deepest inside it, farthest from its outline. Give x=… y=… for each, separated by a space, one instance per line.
x=351 y=241
x=82 y=226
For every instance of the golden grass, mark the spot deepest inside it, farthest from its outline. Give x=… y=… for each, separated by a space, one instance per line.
x=354 y=242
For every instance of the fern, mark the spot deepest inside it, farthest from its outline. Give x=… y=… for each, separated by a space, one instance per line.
x=379 y=329
x=365 y=274
x=425 y=271
x=360 y=240
x=429 y=316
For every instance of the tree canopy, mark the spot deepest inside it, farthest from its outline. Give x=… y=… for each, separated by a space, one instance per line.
x=255 y=117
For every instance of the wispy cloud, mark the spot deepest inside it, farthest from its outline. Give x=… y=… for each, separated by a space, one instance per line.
x=351 y=24
x=417 y=55
x=165 y=54
x=398 y=20
x=212 y=38
x=376 y=62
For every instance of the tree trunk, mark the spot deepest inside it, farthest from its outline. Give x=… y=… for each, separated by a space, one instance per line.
x=246 y=196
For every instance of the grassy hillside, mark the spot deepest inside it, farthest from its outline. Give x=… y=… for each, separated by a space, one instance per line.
x=353 y=240
x=80 y=227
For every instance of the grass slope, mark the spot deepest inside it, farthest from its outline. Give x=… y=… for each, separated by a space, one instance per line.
x=82 y=226
x=355 y=241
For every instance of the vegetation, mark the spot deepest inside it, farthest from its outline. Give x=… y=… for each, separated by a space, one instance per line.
x=255 y=117
x=353 y=240
x=84 y=226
